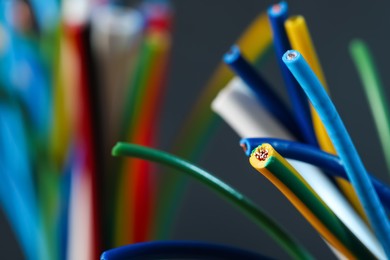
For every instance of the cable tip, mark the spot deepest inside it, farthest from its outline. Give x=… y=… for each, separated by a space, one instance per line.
x=115 y=150
x=244 y=147
x=261 y=153
x=262 y=156
x=232 y=55
x=291 y=56
x=278 y=9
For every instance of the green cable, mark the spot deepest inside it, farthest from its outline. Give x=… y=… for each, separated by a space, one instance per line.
x=282 y=170
x=374 y=90
x=198 y=130
x=293 y=248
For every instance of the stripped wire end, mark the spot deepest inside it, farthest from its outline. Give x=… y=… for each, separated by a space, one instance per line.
x=276 y=8
x=261 y=156
x=261 y=153
x=291 y=55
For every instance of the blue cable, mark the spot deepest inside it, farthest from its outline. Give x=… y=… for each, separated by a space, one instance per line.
x=21 y=59
x=47 y=13
x=65 y=192
x=332 y=164
x=277 y=15
x=17 y=193
x=178 y=250
x=262 y=90
x=354 y=167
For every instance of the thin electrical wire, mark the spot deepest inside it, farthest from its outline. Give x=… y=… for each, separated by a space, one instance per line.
x=201 y=121
x=295 y=250
x=332 y=164
x=374 y=90
x=275 y=168
x=343 y=144
x=277 y=14
x=261 y=89
x=179 y=250
x=333 y=167
x=299 y=36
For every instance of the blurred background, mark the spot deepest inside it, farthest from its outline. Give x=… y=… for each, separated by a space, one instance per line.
x=202 y=32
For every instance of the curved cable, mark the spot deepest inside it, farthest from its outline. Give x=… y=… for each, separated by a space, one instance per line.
x=201 y=123
x=178 y=250
x=244 y=204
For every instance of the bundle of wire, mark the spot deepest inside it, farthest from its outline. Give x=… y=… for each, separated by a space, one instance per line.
x=58 y=89
x=245 y=105
x=58 y=190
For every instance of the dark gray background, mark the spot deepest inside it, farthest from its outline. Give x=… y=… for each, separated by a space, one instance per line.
x=204 y=30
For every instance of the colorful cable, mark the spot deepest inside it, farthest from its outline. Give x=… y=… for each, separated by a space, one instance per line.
x=299 y=36
x=277 y=15
x=332 y=164
x=201 y=121
x=75 y=31
x=277 y=170
x=146 y=92
x=262 y=90
x=343 y=144
x=245 y=205
x=179 y=250
x=240 y=109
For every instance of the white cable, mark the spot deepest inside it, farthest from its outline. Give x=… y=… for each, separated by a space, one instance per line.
x=240 y=109
x=115 y=29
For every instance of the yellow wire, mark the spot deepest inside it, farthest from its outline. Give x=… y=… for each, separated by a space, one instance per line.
x=260 y=166
x=299 y=36
x=61 y=126
x=254 y=43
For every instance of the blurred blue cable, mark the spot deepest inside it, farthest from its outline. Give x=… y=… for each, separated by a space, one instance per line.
x=178 y=250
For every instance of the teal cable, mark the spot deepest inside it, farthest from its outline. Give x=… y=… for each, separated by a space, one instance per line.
x=292 y=247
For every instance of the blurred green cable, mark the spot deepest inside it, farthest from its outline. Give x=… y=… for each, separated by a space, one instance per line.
x=374 y=90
